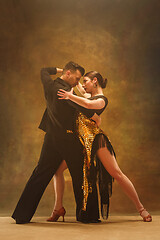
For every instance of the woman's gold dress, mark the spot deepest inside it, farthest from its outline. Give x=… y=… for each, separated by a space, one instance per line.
x=93 y=138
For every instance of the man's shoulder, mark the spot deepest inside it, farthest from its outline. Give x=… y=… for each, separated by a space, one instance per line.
x=57 y=84
x=57 y=81
x=60 y=83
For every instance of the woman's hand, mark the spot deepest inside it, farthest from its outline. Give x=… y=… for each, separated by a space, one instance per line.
x=64 y=94
x=97 y=119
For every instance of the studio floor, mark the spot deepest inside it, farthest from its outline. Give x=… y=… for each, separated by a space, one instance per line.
x=115 y=228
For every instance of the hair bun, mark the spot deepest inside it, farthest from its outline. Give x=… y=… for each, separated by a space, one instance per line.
x=104 y=83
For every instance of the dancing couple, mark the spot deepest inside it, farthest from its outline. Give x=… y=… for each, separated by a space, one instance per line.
x=74 y=140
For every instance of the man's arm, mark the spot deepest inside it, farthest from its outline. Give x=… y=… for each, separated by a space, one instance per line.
x=45 y=75
x=46 y=78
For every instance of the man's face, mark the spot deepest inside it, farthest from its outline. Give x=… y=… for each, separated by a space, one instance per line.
x=74 y=78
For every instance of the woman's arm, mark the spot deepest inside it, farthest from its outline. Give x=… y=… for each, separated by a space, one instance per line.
x=82 y=91
x=90 y=104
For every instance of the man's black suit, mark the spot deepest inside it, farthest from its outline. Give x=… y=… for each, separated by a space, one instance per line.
x=60 y=143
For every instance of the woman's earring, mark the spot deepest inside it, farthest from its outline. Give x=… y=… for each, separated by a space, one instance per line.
x=94 y=85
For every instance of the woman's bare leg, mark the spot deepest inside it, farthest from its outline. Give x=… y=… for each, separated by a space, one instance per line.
x=110 y=164
x=59 y=183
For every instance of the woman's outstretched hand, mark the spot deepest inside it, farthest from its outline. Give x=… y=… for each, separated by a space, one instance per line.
x=64 y=94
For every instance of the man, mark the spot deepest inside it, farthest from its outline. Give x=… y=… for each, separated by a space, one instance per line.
x=60 y=143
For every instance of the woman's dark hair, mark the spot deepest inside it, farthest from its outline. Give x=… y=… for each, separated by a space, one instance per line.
x=92 y=74
x=73 y=67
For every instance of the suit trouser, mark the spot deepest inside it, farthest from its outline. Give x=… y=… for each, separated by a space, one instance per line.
x=51 y=157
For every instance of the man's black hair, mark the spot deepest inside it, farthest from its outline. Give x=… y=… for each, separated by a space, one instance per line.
x=73 y=67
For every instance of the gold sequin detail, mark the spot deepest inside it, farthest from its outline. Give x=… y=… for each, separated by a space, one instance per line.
x=69 y=131
x=87 y=130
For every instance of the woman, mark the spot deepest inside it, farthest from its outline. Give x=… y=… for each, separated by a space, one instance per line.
x=95 y=143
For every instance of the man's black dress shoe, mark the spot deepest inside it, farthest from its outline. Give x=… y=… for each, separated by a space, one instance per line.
x=89 y=221
x=95 y=221
x=21 y=221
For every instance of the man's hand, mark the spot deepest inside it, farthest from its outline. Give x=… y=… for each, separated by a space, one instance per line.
x=59 y=70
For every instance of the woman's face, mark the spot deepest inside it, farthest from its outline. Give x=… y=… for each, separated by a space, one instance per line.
x=87 y=84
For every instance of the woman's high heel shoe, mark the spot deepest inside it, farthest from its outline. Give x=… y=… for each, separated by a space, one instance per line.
x=147 y=218
x=56 y=214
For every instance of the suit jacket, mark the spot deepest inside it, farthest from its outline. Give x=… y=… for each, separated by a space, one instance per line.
x=60 y=115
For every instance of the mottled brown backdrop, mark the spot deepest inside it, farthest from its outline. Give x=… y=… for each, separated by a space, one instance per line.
x=118 y=38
